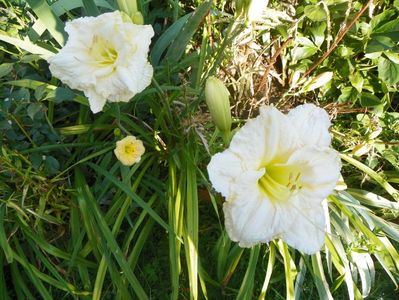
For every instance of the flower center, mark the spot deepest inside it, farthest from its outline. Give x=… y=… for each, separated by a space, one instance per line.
x=280 y=181
x=130 y=149
x=103 y=51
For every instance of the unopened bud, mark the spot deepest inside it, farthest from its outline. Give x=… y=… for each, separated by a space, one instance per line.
x=137 y=18
x=117 y=132
x=129 y=7
x=217 y=99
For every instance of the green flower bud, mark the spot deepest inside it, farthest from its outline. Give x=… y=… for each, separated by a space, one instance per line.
x=129 y=7
x=217 y=99
x=137 y=18
x=126 y=18
x=117 y=132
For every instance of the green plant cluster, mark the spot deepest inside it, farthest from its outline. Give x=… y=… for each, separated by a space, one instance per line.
x=77 y=224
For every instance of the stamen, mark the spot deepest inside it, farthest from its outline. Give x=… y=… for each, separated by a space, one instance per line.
x=280 y=182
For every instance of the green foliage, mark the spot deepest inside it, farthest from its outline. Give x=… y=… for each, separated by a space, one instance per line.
x=76 y=224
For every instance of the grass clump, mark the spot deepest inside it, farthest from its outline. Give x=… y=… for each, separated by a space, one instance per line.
x=75 y=223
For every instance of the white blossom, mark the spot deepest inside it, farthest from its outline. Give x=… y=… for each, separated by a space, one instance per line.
x=105 y=57
x=275 y=175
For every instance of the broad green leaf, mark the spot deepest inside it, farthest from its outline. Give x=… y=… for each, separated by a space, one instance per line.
x=318 y=33
x=175 y=215
x=222 y=249
x=5 y=69
x=315 y=13
x=379 y=43
x=318 y=81
x=347 y=94
x=300 y=278
x=393 y=56
x=372 y=199
x=33 y=109
x=369 y=100
x=357 y=81
x=51 y=164
x=378 y=20
x=389 y=27
x=304 y=41
x=303 y=52
x=388 y=71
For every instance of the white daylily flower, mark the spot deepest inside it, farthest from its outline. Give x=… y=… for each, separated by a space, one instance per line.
x=105 y=57
x=275 y=176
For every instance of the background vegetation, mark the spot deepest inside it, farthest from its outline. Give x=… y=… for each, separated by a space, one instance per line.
x=76 y=224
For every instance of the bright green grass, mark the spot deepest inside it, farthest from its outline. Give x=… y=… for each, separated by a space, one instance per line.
x=76 y=224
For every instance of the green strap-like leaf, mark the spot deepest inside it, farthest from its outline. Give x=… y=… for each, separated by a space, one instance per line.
x=176 y=50
x=128 y=192
x=27 y=46
x=269 y=270
x=247 y=285
x=106 y=238
x=53 y=24
x=167 y=38
x=289 y=268
x=90 y=8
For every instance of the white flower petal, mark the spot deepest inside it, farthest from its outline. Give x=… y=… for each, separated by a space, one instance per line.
x=307 y=231
x=312 y=124
x=136 y=79
x=265 y=138
x=320 y=170
x=96 y=101
x=249 y=219
x=226 y=170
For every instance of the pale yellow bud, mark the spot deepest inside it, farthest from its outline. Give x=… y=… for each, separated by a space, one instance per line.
x=217 y=99
x=129 y=7
x=129 y=150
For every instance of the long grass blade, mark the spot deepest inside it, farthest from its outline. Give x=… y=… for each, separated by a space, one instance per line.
x=269 y=271
x=289 y=269
x=176 y=50
x=52 y=22
x=131 y=194
x=191 y=229
x=106 y=236
x=247 y=284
